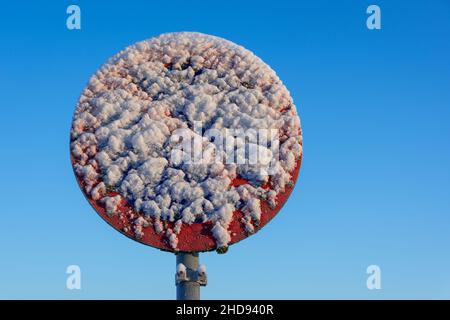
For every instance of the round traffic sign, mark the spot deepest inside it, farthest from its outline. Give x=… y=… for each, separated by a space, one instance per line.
x=186 y=142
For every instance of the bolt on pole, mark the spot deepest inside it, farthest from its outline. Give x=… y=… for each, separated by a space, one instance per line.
x=189 y=277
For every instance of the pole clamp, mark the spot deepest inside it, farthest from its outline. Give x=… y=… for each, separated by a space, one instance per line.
x=184 y=274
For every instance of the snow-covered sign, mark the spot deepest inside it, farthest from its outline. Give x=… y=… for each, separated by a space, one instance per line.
x=186 y=142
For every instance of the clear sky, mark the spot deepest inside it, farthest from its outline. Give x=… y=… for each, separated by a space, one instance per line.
x=373 y=188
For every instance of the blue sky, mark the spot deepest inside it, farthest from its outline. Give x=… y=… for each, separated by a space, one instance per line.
x=373 y=188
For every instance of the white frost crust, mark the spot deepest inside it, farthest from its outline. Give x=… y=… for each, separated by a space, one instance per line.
x=221 y=235
x=181 y=268
x=201 y=269
x=111 y=204
x=132 y=106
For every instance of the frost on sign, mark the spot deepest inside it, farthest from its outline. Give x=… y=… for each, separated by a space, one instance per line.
x=186 y=142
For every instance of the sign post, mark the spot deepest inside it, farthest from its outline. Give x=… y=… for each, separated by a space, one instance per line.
x=189 y=278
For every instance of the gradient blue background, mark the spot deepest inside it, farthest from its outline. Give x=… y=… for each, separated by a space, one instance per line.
x=374 y=185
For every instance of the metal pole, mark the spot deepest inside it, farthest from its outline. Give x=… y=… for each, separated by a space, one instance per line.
x=188 y=279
